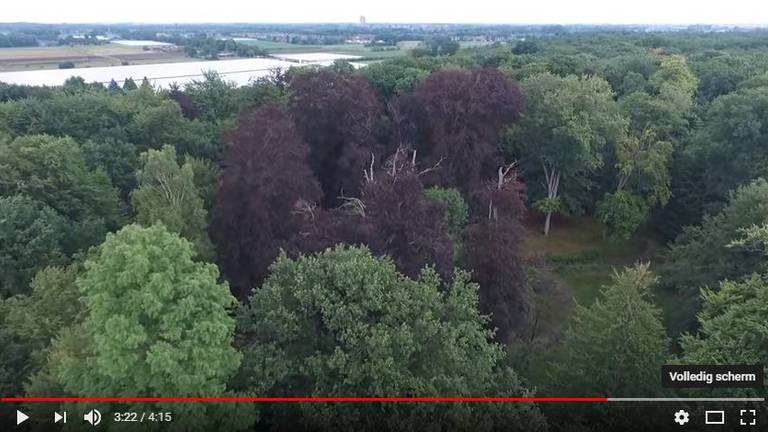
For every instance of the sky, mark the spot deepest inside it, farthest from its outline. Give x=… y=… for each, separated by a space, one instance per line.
x=400 y=11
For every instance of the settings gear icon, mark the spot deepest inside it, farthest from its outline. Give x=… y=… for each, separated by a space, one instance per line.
x=681 y=417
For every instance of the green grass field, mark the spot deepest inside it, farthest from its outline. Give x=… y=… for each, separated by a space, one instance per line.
x=584 y=261
x=582 y=258
x=367 y=53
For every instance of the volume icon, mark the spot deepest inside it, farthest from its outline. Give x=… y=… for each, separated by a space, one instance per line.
x=93 y=417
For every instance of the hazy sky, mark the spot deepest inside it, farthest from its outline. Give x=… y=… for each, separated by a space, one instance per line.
x=473 y=11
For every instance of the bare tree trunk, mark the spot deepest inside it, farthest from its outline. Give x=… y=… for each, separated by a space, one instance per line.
x=502 y=179
x=553 y=184
x=623 y=180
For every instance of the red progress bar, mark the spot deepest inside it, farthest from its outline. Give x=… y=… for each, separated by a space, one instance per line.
x=304 y=399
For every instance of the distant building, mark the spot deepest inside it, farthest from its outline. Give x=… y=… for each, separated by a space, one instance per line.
x=147 y=45
x=321 y=59
x=362 y=19
x=361 y=39
x=142 y=43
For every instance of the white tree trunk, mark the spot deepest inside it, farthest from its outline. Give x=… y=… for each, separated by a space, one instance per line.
x=552 y=176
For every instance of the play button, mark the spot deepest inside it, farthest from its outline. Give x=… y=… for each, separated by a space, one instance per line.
x=20 y=417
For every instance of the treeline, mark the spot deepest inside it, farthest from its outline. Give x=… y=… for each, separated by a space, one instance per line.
x=17 y=40
x=332 y=232
x=210 y=48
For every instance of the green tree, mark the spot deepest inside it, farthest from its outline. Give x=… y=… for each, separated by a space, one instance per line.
x=156 y=124
x=76 y=84
x=567 y=123
x=701 y=257
x=32 y=236
x=117 y=158
x=615 y=347
x=342 y=67
x=526 y=47
x=52 y=304
x=166 y=193
x=629 y=73
x=206 y=177
x=666 y=104
x=658 y=116
x=457 y=209
x=216 y=98
x=642 y=181
x=732 y=323
x=129 y=84
x=142 y=117
x=755 y=82
x=675 y=82
x=53 y=171
x=114 y=87
x=441 y=45
x=621 y=213
x=157 y=323
x=80 y=116
x=720 y=75
x=457 y=213
x=29 y=326
x=270 y=89
x=732 y=329
x=161 y=123
x=732 y=140
x=14 y=357
x=392 y=78
x=146 y=85
x=642 y=166
x=345 y=323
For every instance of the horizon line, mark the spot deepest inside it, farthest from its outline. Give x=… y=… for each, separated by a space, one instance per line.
x=618 y=24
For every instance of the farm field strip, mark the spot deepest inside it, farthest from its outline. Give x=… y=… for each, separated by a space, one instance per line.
x=240 y=71
x=21 y=59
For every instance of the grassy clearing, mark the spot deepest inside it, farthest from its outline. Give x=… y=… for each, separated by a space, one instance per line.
x=584 y=261
x=581 y=257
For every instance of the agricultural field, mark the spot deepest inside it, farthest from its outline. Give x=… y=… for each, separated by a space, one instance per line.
x=21 y=59
x=367 y=53
x=40 y=58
